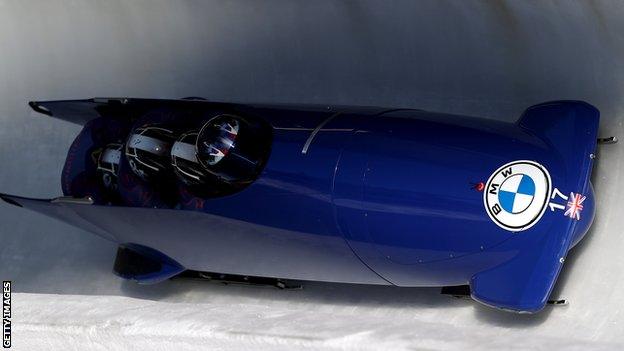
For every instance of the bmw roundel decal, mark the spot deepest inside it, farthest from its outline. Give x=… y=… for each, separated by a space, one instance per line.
x=516 y=195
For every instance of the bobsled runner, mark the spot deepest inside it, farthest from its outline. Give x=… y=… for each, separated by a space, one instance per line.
x=339 y=194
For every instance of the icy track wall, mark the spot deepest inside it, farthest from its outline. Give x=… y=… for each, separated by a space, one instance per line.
x=490 y=59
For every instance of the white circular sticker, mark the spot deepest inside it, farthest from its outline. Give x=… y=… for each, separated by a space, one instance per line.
x=517 y=194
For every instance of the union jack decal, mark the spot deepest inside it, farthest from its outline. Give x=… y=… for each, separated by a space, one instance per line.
x=574 y=206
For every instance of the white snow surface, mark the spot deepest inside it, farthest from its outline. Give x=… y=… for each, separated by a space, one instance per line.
x=276 y=321
x=490 y=59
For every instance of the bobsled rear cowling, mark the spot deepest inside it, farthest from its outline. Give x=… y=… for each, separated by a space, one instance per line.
x=347 y=194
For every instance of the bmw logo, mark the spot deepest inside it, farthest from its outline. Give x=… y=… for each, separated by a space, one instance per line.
x=516 y=195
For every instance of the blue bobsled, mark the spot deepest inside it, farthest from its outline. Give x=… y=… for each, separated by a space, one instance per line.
x=340 y=194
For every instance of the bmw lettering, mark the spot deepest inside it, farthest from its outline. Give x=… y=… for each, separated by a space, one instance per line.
x=517 y=194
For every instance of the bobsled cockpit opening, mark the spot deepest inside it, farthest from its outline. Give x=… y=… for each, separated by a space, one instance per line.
x=166 y=157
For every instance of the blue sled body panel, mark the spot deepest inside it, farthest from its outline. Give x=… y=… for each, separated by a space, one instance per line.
x=369 y=195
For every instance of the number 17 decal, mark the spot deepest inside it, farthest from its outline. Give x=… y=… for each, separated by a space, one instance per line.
x=573 y=206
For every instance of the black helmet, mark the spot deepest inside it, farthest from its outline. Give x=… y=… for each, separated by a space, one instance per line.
x=185 y=164
x=108 y=166
x=218 y=138
x=232 y=148
x=148 y=149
